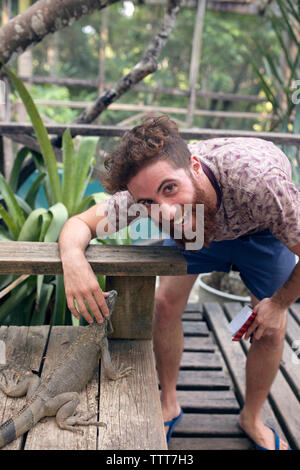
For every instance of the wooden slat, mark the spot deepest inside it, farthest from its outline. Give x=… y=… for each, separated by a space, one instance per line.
x=209 y=443
x=195 y=328
x=132 y=316
x=208 y=401
x=43 y=258
x=208 y=424
x=24 y=346
x=118 y=131
x=283 y=400
x=200 y=360
x=46 y=435
x=295 y=310
x=131 y=406
x=233 y=354
x=196 y=343
x=202 y=380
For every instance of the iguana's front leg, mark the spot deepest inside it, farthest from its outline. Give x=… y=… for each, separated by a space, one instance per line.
x=110 y=370
x=17 y=383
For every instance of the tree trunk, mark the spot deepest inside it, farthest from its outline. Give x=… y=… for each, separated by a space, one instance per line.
x=146 y=66
x=42 y=18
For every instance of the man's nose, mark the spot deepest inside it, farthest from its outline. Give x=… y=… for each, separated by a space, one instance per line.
x=168 y=211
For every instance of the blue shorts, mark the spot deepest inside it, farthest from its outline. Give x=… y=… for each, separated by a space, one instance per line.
x=263 y=261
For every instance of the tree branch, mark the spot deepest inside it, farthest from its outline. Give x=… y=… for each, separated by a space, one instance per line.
x=146 y=66
x=42 y=18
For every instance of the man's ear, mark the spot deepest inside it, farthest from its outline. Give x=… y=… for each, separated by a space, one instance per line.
x=195 y=166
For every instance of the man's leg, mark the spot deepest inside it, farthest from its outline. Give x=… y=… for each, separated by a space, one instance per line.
x=171 y=298
x=262 y=365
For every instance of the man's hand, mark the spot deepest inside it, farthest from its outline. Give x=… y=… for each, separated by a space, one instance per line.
x=270 y=318
x=82 y=286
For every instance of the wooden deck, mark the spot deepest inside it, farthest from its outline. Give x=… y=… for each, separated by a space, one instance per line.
x=130 y=407
x=211 y=382
x=211 y=387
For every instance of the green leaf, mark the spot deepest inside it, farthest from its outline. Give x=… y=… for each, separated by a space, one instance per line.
x=9 y=221
x=41 y=133
x=287 y=22
x=68 y=192
x=5 y=236
x=46 y=219
x=11 y=202
x=59 y=311
x=15 y=172
x=83 y=170
x=59 y=217
x=32 y=228
x=15 y=301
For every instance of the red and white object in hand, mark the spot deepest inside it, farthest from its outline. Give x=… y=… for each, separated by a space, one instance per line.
x=241 y=322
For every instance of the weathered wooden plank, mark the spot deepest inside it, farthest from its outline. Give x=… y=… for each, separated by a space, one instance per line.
x=132 y=316
x=131 y=406
x=113 y=131
x=209 y=443
x=204 y=401
x=200 y=360
x=199 y=343
x=198 y=424
x=114 y=260
x=25 y=347
x=233 y=354
x=192 y=307
x=195 y=328
x=192 y=316
x=202 y=380
x=292 y=329
x=46 y=435
x=290 y=365
x=284 y=402
x=295 y=310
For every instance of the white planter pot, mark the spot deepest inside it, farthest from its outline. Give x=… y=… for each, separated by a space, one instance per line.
x=209 y=294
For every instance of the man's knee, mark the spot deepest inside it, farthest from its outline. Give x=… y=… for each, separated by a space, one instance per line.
x=165 y=303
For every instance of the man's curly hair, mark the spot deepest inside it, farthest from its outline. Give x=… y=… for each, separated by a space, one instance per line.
x=157 y=138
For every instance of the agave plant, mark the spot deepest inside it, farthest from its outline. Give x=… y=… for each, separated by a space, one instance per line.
x=28 y=303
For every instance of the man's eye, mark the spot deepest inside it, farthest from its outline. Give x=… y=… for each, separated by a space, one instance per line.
x=169 y=188
x=147 y=202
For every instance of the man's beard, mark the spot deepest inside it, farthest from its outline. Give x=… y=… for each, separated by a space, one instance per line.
x=210 y=211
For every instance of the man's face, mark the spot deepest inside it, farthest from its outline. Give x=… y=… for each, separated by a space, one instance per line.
x=176 y=193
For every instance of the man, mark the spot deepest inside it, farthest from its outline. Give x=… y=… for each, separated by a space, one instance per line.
x=251 y=220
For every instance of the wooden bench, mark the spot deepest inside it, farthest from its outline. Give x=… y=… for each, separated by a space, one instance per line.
x=131 y=406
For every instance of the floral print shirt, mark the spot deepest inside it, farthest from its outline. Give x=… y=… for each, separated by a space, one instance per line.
x=254 y=177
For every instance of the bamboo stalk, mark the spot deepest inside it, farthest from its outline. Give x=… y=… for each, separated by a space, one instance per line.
x=13 y=284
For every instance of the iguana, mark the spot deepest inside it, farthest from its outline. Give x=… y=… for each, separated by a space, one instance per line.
x=57 y=393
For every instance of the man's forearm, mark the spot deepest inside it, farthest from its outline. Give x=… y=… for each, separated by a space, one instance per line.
x=290 y=291
x=74 y=237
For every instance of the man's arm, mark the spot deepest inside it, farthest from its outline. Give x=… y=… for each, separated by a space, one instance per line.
x=80 y=281
x=271 y=312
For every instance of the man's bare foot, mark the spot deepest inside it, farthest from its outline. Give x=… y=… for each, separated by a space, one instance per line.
x=260 y=434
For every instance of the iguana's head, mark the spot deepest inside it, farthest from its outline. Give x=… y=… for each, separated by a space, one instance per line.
x=111 y=300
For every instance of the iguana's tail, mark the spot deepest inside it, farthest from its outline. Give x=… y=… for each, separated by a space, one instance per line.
x=21 y=423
